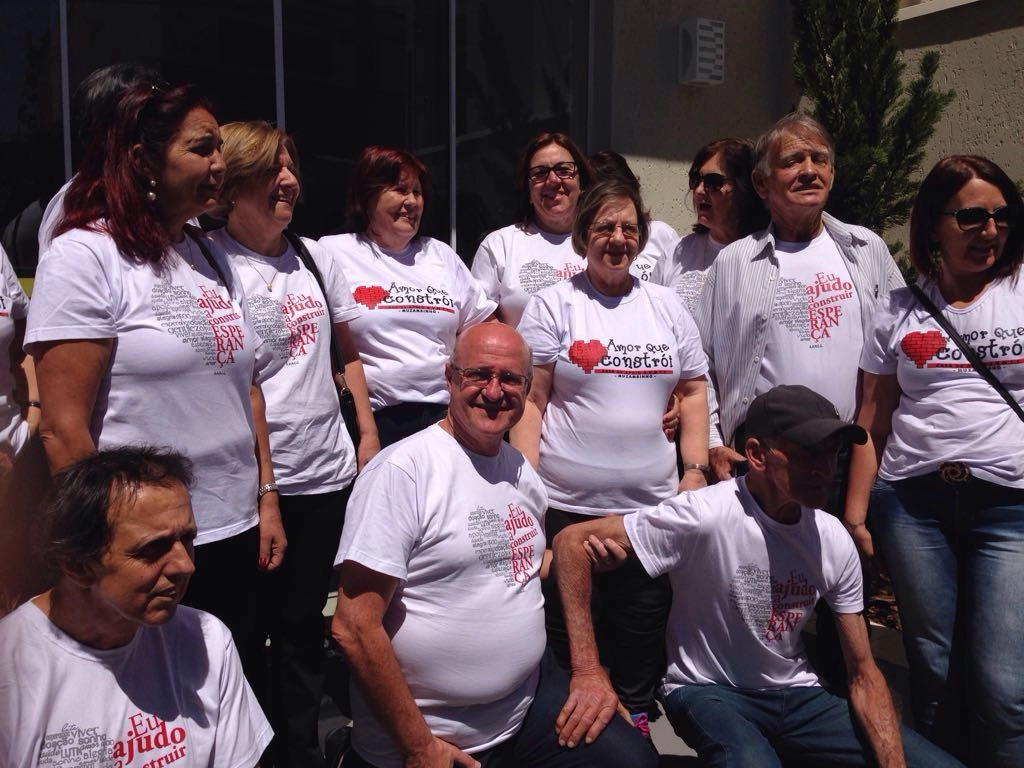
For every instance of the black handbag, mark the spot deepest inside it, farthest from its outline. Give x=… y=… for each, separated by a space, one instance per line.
x=346 y=403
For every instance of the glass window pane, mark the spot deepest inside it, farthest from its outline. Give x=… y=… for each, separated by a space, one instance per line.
x=521 y=69
x=31 y=123
x=361 y=72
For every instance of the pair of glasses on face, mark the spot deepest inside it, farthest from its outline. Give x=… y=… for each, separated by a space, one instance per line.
x=539 y=173
x=481 y=377
x=607 y=229
x=712 y=181
x=973 y=219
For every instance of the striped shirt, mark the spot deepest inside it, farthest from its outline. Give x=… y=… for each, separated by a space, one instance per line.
x=736 y=304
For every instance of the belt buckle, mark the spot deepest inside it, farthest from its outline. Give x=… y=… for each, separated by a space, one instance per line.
x=954 y=472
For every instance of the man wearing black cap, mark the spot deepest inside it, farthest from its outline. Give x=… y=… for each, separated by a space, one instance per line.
x=747 y=559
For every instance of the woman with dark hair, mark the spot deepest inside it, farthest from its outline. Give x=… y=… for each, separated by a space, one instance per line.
x=295 y=312
x=727 y=209
x=416 y=292
x=515 y=262
x=608 y=352
x=663 y=238
x=140 y=336
x=946 y=514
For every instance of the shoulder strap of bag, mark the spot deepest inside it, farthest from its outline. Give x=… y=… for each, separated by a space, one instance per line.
x=983 y=370
x=197 y=237
x=307 y=260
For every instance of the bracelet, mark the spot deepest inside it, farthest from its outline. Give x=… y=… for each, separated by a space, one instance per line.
x=34 y=404
x=703 y=468
x=265 y=489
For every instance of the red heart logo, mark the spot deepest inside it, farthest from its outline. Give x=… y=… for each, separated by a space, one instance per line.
x=587 y=354
x=369 y=295
x=921 y=346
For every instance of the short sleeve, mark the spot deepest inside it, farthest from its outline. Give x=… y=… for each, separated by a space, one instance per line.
x=489 y=265
x=75 y=292
x=664 y=536
x=692 y=360
x=242 y=729
x=382 y=523
x=474 y=305
x=12 y=289
x=877 y=356
x=540 y=327
x=339 y=293
x=846 y=595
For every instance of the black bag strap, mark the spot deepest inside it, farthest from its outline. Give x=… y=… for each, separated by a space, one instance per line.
x=983 y=370
x=197 y=237
x=307 y=260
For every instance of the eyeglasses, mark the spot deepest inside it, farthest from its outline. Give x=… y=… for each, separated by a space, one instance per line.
x=539 y=173
x=607 y=229
x=712 y=181
x=481 y=377
x=971 y=219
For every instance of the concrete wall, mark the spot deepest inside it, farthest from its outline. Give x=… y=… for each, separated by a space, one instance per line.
x=640 y=110
x=659 y=124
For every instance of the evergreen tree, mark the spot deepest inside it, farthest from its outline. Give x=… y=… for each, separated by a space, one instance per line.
x=847 y=63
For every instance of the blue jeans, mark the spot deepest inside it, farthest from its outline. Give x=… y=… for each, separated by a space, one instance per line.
x=535 y=744
x=956 y=557
x=735 y=728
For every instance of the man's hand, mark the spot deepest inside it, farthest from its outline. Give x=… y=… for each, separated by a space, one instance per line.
x=439 y=754
x=590 y=706
x=670 y=419
x=605 y=554
x=723 y=459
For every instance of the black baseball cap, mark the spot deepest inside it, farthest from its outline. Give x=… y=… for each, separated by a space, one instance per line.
x=799 y=414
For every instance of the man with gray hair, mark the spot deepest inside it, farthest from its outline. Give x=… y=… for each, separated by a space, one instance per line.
x=106 y=668
x=790 y=304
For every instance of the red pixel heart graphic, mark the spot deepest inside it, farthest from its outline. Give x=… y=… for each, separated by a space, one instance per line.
x=587 y=354
x=921 y=346
x=369 y=295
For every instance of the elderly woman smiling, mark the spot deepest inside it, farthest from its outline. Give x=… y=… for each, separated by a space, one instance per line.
x=608 y=352
x=417 y=293
x=294 y=311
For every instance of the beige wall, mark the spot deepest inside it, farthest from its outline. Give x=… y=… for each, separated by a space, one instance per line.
x=641 y=111
x=657 y=123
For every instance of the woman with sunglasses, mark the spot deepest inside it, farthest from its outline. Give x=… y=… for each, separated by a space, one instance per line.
x=515 y=262
x=946 y=514
x=727 y=209
x=416 y=292
x=608 y=351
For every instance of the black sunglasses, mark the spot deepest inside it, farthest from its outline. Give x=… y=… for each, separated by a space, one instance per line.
x=712 y=181
x=970 y=219
x=539 y=173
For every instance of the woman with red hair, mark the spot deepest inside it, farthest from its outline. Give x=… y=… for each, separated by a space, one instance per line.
x=140 y=336
x=417 y=293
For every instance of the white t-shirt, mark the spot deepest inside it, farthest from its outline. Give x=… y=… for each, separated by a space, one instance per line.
x=947 y=412
x=175 y=693
x=684 y=269
x=464 y=534
x=660 y=243
x=744 y=585
x=814 y=334
x=310 y=446
x=54 y=211
x=416 y=302
x=617 y=361
x=180 y=367
x=13 y=306
x=514 y=262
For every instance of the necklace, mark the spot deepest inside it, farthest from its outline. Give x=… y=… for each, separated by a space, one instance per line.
x=269 y=283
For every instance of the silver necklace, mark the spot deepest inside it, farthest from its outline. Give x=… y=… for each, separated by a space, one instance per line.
x=186 y=255
x=268 y=283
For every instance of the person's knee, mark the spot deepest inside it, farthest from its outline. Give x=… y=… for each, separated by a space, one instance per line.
x=621 y=746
